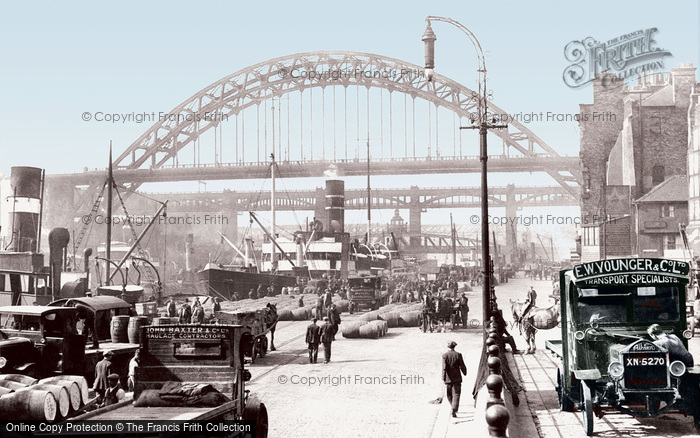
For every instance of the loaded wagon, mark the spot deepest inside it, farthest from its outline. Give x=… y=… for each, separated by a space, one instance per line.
x=208 y=356
x=260 y=322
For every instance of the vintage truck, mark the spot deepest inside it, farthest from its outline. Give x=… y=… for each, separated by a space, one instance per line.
x=196 y=354
x=43 y=341
x=367 y=291
x=608 y=361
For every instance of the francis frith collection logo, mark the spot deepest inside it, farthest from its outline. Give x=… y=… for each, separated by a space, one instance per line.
x=626 y=56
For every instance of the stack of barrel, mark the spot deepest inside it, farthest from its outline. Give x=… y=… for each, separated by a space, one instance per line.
x=125 y=329
x=375 y=324
x=54 y=398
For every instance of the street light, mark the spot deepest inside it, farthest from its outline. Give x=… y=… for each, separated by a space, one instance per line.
x=483 y=124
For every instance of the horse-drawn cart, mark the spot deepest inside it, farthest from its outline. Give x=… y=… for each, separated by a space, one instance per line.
x=260 y=321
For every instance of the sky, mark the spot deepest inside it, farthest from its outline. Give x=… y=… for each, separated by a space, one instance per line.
x=61 y=59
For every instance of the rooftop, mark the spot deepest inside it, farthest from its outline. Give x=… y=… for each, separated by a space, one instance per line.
x=674 y=189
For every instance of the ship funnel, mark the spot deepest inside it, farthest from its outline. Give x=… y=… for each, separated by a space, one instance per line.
x=335 y=205
x=24 y=206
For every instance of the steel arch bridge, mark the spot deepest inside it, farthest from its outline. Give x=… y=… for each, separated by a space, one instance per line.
x=275 y=78
x=157 y=154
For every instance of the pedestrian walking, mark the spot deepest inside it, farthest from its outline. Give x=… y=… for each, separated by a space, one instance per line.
x=313 y=338
x=452 y=369
x=327 y=338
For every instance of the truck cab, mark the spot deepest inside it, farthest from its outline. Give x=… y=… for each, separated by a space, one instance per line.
x=40 y=341
x=608 y=359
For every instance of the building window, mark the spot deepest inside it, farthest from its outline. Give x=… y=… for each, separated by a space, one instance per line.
x=590 y=236
x=668 y=211
x=655 y=124
x=658 y=174
x=670 y=241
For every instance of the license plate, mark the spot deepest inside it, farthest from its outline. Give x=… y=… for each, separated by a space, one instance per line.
x=645 y=361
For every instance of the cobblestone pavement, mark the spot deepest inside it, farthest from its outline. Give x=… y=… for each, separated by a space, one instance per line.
x=384 y=387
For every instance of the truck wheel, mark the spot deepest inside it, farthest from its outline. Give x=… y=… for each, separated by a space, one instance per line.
x=257 y=412
x=565 y=403
x=587 y=407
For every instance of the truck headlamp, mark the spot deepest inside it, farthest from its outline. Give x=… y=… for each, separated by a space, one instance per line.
x=3 y=362
x=687 y=334
x=677 y=368
x=615 y=370
x=579 y=335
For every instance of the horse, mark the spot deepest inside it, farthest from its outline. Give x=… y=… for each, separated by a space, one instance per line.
x=427 y=314
x=537 y=318
x=271 y=319
x=443 y=312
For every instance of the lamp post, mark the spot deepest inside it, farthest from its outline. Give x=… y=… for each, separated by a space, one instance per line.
x=483 y=123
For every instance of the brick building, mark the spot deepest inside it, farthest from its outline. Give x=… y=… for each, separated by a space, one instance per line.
x=632 y=139
x=660 y=213
x=693 y=228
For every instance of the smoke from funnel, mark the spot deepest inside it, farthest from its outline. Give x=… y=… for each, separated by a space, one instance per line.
x=335 y=205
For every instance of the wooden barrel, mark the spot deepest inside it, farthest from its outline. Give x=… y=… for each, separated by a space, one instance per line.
x=29 y=405
x=134 y=331
x=285 y=290
x=60 y=393
x=391 y=318
x=409 y=319
x=285 y=315
x=4 y=391
x=21 y=378
x=79 y=380
x=342 y=305
x=9 y=384
x=351 y=330
x=381 y=325
x=119 y=327
x=75 y=393
x=300 y=314
x=370 y=331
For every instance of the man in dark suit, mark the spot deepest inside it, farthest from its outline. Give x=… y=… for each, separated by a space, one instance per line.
x=313 y=338
x=327 y=333
x=452 y=369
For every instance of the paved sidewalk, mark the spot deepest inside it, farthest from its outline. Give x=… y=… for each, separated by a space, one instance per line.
x=470 y=419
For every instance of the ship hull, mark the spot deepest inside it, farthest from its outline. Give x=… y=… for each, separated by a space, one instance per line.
x=224 y=282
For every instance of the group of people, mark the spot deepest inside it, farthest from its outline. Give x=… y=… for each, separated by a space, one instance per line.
x=194 y=314
x=107 y=384
x=325 y=334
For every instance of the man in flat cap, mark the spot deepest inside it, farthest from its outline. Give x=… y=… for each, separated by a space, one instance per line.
x=102 y=370
x=313 y=337
x=452 y=369
x=114 y=393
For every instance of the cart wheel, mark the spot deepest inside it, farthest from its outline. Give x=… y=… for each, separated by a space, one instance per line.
x=254 y=353
x=257 y=412
x=263 y=346
x=565 y=403
x=587 y=407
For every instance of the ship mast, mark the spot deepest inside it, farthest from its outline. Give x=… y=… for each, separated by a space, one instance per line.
x=369 y=203
x=273 y=256
x=110 y=185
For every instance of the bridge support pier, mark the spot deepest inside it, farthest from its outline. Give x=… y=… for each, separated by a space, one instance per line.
x=414 y=222
x=511 y=227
